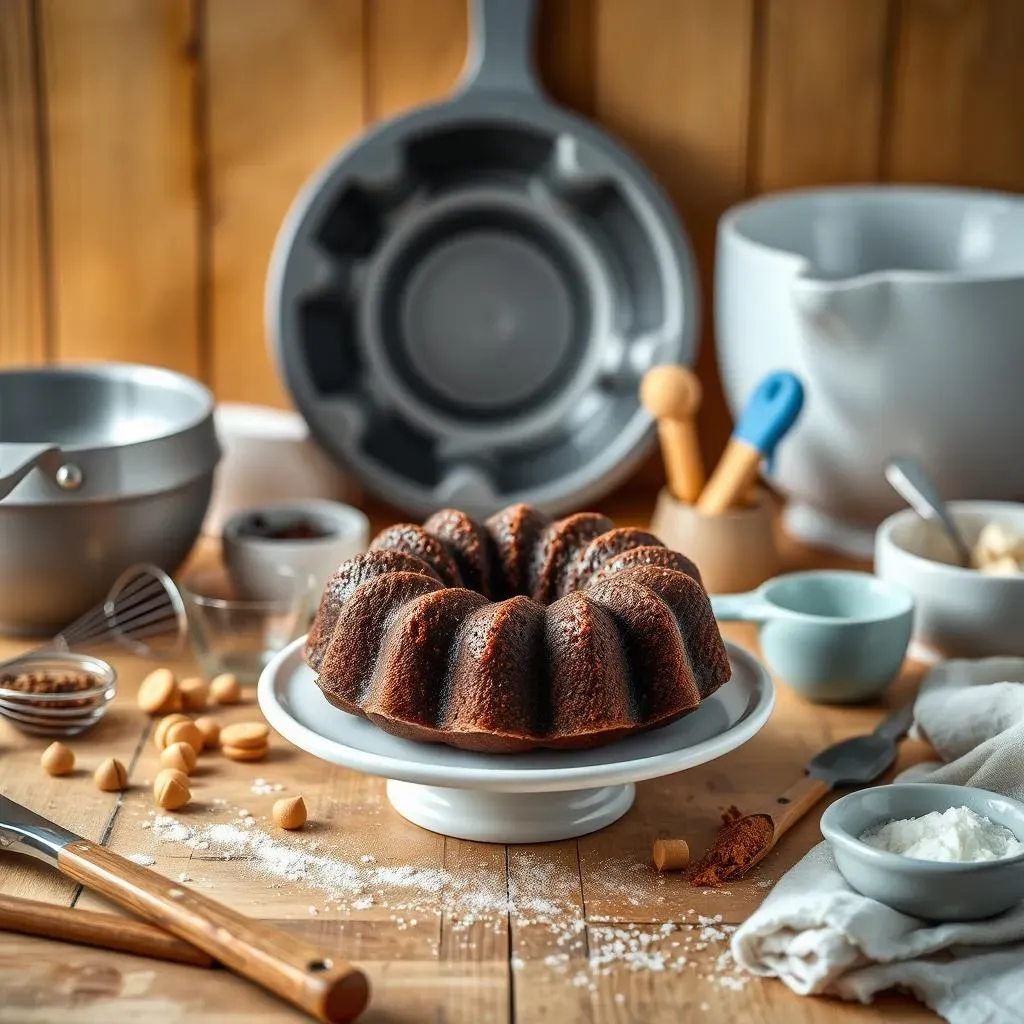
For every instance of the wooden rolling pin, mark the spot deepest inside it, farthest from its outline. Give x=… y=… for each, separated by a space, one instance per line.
x=672 y=395
x=770 y=412
x=105 y=931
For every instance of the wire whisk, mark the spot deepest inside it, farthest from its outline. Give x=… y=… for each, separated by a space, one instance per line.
x=143 y=611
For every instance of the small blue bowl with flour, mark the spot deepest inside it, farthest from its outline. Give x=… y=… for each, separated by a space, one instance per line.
x=942 y=853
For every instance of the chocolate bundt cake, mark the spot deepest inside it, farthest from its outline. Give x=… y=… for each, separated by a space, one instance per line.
x=517 y=633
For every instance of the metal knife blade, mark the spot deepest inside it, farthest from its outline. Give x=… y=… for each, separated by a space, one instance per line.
x=25 y=832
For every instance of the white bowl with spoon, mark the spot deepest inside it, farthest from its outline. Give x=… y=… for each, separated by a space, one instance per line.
x=959 y=612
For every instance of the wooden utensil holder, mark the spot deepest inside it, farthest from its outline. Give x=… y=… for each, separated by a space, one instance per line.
x=735 y=551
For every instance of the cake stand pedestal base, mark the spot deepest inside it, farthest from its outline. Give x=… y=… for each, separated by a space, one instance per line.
x=489 y=817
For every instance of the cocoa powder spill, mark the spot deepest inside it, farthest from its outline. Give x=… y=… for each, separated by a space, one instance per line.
x=738 y=844
x=731 y=813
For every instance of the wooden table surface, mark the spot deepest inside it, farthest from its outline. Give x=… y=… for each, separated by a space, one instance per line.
x=452 y=931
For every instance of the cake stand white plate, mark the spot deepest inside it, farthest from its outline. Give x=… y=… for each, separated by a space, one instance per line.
x=512 y=798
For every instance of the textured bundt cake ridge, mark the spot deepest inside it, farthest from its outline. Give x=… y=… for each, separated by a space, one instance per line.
x=516 y=633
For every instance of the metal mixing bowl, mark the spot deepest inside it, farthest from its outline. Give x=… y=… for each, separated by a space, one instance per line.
x=101 y=466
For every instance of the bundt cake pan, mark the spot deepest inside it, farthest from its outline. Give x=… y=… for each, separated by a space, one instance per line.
x=516 y=633
x=462 y=304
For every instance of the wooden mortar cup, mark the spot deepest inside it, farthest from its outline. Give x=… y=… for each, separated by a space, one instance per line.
x=735 y=551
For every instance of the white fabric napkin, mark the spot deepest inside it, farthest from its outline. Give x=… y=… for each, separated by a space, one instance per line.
x=822 y=938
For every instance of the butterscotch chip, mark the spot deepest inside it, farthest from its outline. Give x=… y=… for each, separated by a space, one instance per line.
x=210 y=728
x=671 y=854
x=171 y=789
x=181 y=756
x=193 y=694
x=111 y=776
x=244 y=753
x=289 y=812
x=158 y=693
x=58 y=759
x=160 y=732
x=184 y=732
x=247 y=735
x=224 y=689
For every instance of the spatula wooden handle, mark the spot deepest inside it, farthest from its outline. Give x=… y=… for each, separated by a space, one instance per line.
x=105 y=931
x=792 y=805
x=328 y=989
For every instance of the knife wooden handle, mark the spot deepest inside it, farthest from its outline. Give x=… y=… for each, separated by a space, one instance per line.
x=105 y=931
x=328 y=989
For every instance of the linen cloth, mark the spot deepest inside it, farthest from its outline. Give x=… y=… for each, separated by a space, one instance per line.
x=821 y=937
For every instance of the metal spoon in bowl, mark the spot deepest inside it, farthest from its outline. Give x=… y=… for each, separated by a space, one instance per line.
x=911 y=481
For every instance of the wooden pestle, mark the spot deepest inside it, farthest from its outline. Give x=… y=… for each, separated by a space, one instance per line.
x=672 y=395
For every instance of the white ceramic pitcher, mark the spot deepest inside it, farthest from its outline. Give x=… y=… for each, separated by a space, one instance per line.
x=902 y=309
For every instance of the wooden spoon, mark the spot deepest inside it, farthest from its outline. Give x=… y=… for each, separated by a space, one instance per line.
x=854 y=761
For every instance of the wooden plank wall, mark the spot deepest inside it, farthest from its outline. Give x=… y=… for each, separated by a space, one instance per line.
x=149 y=148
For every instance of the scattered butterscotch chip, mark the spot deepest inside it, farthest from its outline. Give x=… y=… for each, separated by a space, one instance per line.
x=58 y=759
x=671 y=854
x=224 y=689
x=111 y=776
x=247 y=735
x=184 y=732
x=193 y=694
x=210 y=728
x=289 y=812
x=179 y=755
x=160 y=732
x=243 y=753
x=171 y=789
x=158 y=693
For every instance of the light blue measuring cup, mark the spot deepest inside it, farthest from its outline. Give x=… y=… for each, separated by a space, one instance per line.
x=836 y=637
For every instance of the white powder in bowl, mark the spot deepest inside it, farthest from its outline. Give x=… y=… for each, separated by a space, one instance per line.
x=957 y=835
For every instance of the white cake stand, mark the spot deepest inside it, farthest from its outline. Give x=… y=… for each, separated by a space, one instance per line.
x=512 y=798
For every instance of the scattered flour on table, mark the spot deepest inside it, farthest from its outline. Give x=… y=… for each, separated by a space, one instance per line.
x=262 y=787
x=540 y=893
x=142 y=859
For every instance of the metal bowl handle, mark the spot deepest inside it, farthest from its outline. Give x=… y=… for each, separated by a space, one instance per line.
x=18 y=460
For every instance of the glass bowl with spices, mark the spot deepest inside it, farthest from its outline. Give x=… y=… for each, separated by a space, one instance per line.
x=50 y=693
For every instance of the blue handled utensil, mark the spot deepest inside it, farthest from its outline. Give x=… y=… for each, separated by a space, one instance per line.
x=769 y=414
